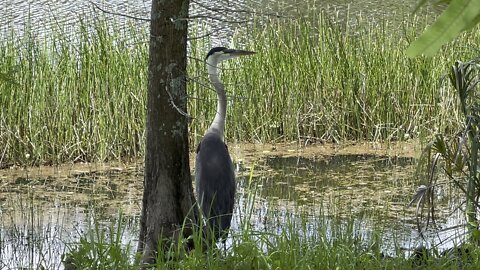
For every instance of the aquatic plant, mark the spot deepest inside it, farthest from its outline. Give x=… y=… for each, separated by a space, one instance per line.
x=99 y=248
x=456 y=156
x=330 y=244
x=73 y=96
x=317 y=80
x=79 y=95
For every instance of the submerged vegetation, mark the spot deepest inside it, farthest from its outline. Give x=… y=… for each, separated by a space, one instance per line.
x=81 y=96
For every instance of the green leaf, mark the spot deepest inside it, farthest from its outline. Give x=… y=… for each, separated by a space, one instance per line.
x=459 y=16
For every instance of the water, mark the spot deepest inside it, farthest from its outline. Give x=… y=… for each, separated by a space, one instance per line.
x=220 y=19
x=45 y=210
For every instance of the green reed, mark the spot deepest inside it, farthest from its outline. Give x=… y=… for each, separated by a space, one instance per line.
x=79 y=94
x=327 y=81
x=75 y=97
x=339 y=248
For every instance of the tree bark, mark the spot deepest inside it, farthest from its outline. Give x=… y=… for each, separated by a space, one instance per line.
x=168 y=194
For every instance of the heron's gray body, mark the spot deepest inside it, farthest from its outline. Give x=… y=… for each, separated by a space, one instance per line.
x=214 y=175
x=215 y=183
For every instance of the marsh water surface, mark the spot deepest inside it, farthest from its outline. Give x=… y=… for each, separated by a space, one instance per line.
x=45 y=210
x=222 y=18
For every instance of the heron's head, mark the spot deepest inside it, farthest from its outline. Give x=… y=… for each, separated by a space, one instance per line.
x=219 y=54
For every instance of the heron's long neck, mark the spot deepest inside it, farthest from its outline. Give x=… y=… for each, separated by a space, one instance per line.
x=218 y=124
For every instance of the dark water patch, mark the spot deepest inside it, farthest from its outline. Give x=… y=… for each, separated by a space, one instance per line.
x=338 y=163
x=355 y=181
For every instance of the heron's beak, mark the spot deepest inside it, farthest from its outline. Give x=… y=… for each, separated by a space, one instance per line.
x=235 y=53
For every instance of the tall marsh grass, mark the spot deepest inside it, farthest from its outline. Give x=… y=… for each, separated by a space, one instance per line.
x=80 y=95
x=324 y=81
x=77 y=99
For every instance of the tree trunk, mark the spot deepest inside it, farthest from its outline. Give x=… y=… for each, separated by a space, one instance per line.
x=168 y=193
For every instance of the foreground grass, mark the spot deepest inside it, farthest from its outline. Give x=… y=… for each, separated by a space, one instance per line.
x=81 y=96
x=330 y=245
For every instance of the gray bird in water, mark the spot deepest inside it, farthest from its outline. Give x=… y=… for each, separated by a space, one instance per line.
x=214 y=173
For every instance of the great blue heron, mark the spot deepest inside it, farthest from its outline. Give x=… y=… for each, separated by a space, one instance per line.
x=214 y=175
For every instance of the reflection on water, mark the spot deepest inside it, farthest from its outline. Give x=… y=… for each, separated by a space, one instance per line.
x=44 y=210
x=221 y=18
